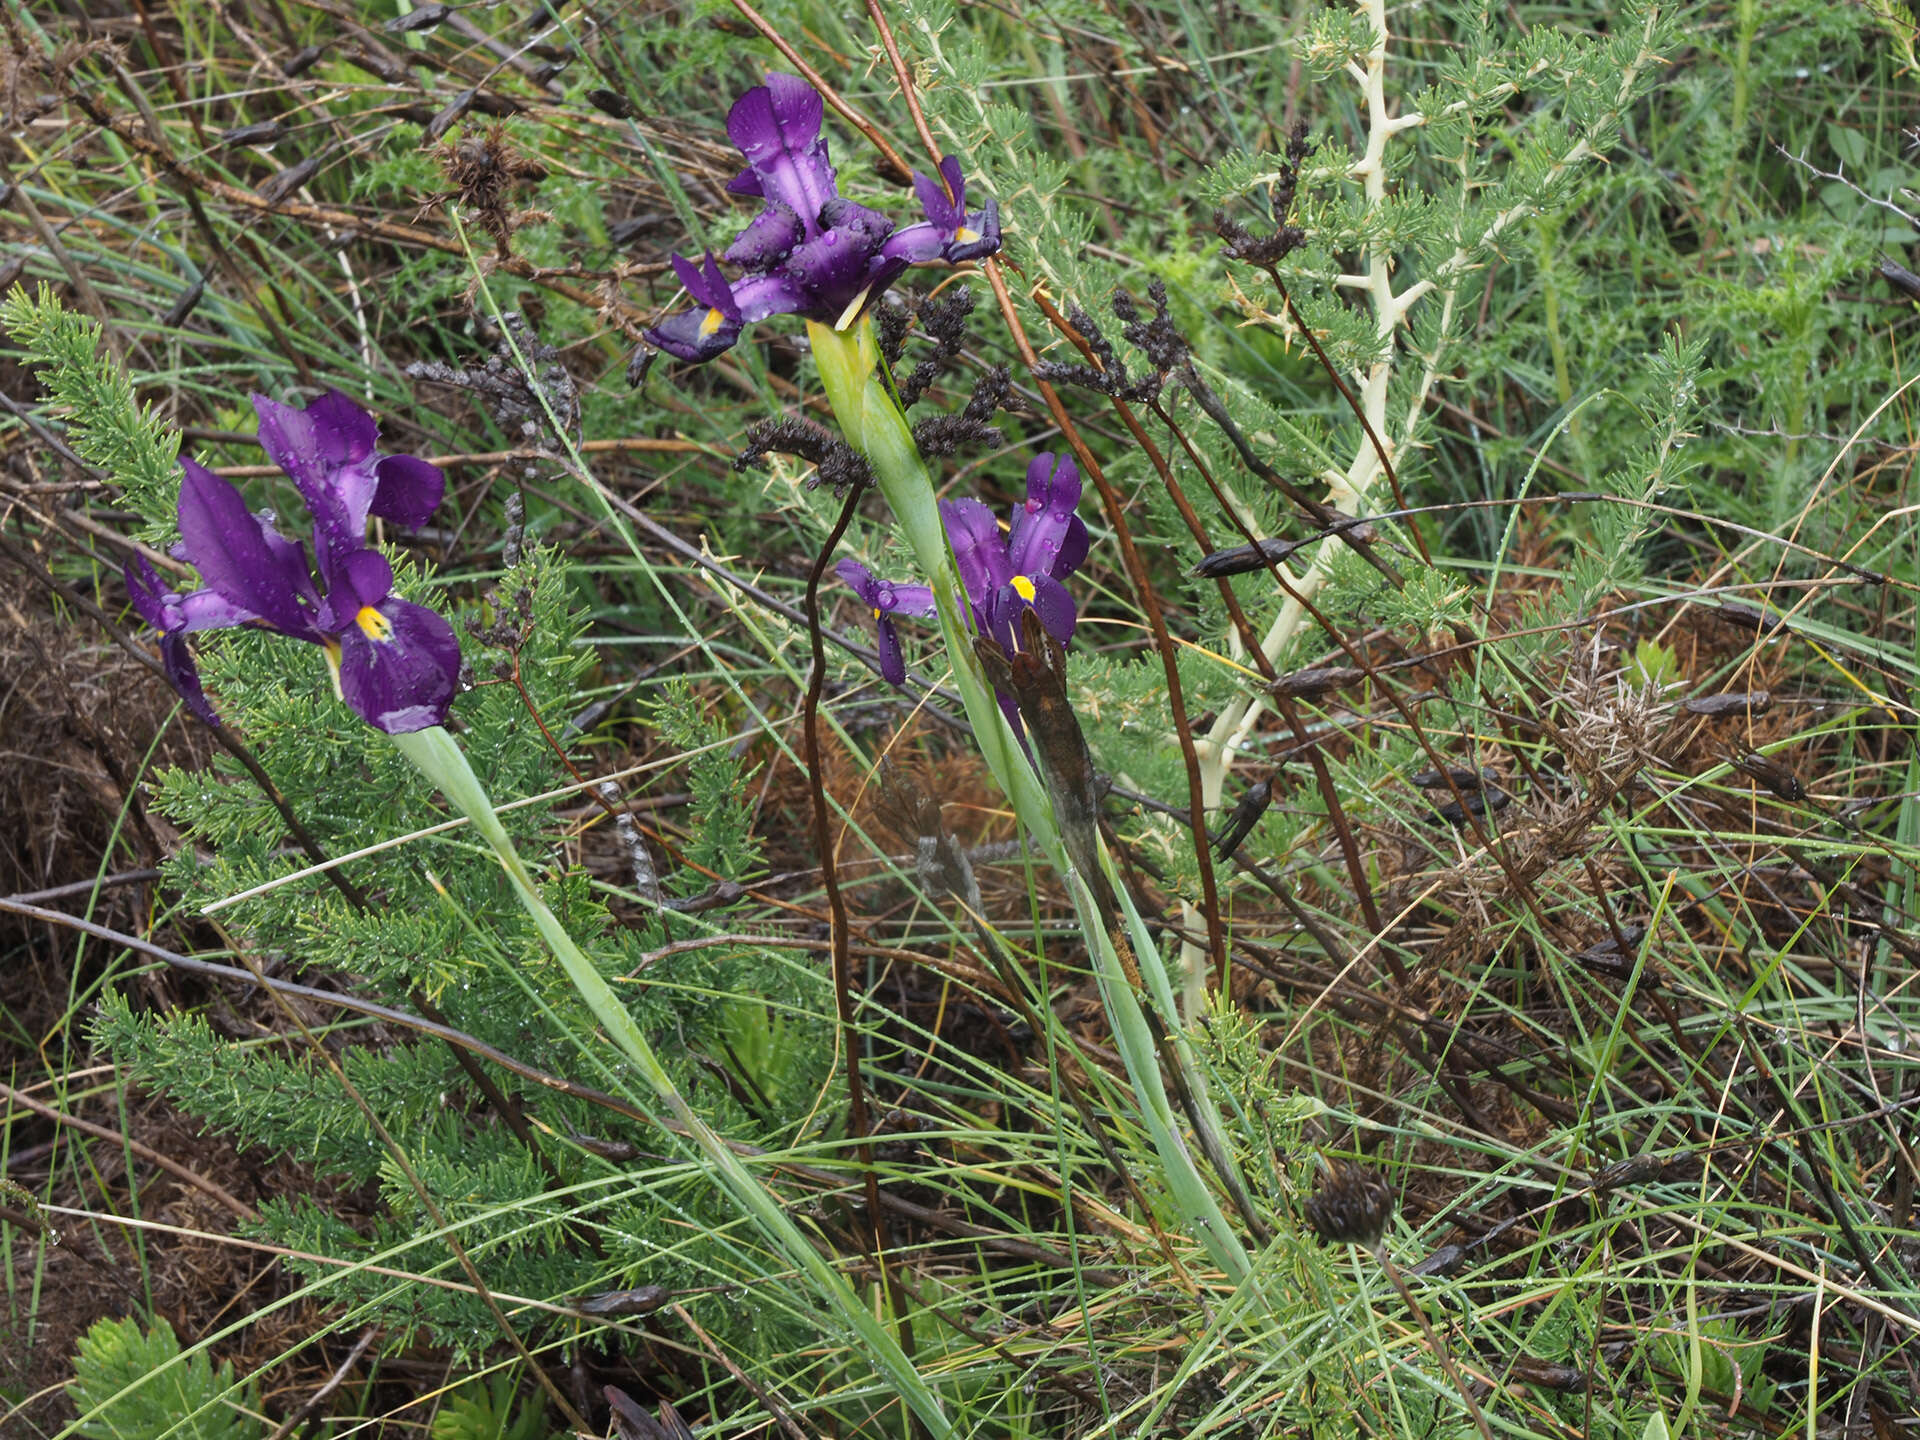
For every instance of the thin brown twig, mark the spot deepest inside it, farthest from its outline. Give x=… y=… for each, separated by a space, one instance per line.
x=844 y=1009
x=146 y=1152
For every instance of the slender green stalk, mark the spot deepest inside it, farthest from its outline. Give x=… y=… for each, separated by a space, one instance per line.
x=871 y=419
x=438 y=756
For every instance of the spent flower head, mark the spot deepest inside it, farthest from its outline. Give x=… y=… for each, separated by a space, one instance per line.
x=811 y=251
x=395 y=663
x=1351 y=1205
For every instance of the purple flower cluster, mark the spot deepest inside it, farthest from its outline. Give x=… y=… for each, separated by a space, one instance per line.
x=1004 y=574
x=396 y=663
x=810 y=251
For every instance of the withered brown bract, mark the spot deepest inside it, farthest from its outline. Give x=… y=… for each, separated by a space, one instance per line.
x=1036 y=677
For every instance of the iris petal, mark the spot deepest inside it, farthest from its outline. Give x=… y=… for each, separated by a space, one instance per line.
x=915 y=601
x=893 y=665
x=149 y=592
x=764 y=295
x=977 y=547
x=884 y=601
x=409 y=490
x=1047 y=537
x=327 y=451
x=695 y=335
x=768 y=239
x=858 y=576
x=407 y=680
x=177 y=660
x=777 y=127
x=224 y=543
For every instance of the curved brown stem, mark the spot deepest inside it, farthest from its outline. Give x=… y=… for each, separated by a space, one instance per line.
x=857 y=1125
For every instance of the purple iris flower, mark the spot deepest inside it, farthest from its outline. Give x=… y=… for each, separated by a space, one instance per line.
x=1004 y=574
x=811 y=251
x=1045 y=543
x=887 y=599
x=396 y=663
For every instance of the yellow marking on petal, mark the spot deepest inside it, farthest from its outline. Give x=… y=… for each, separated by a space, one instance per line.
x=853 y=310
x=876 y=612
x=711 y=322
x=1023 y=587
x=965 y=235
x=375 y=626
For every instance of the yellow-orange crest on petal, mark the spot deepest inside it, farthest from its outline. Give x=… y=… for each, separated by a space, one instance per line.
x=375 y=626
x=711 y=322
x=1023 y=587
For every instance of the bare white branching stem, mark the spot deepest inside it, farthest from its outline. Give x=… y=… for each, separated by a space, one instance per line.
x=1349 y=491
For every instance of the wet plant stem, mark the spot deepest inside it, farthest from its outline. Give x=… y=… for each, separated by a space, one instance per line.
x=438 y=756
x=870 y=417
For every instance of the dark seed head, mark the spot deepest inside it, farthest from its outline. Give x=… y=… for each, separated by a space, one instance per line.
x=1350 y=1206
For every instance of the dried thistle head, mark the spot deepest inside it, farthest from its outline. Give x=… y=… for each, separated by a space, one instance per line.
x=484 y=169
x=1351 y=1205
x=1612 y=720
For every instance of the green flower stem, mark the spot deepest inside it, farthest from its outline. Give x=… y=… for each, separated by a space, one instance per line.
x=438 y=756
x=870 y=418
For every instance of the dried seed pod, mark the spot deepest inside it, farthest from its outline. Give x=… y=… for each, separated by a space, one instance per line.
x=1744 y=702
x=631 y=1422
x=1303 y=683
x=1241 y=559
x=1607 y=956
x=1479 y=802
x=609 y=1303
x=1245 y=816
x=1548 y=1374
x=1770 y=773
x=1444 y=1261
x=276 y=188
x=1901 y=279
x=1351 y=1205
x=1749 y=617
x=1634 y=1170
x=621 y=1150
x=376 y=62
x=1462 y=778
x=302 y=61
x=261 y=132
x=611 y=102
x=425 y=17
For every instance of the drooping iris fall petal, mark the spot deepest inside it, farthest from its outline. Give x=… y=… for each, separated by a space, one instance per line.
x=700 y=334
x=399 y=665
